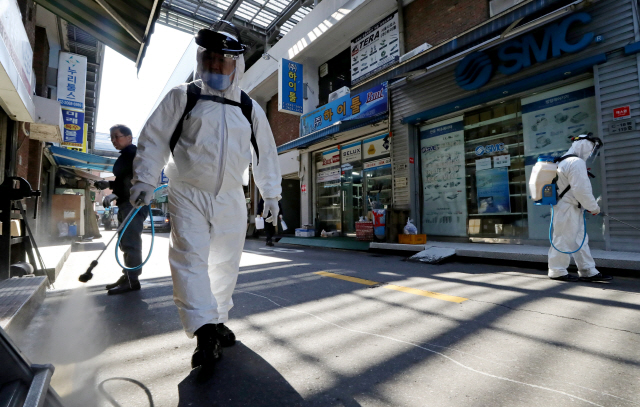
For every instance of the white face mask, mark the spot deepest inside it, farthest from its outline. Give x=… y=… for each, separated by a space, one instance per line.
x=217 y=81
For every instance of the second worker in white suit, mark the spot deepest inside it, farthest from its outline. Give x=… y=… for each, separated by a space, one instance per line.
x=202 y=132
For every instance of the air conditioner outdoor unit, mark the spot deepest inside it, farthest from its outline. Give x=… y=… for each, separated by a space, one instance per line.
x=415 y=51
x=339 y=93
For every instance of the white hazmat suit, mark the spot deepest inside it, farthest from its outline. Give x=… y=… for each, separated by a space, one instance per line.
x=209 y=165
x=568 y=223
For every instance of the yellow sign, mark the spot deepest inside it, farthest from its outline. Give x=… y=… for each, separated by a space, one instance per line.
x=78 y=147
x=73 y=127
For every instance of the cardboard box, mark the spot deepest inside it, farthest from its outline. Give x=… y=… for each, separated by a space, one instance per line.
x=484 y=116
x=499 y=111
x=511 y=108
x=474 y=226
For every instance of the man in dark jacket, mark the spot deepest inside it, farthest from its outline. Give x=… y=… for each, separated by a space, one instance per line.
x=131 y=242
x=269 y=228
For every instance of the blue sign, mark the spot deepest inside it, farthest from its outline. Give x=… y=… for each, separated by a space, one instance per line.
x=362 y=105
x=493 y=190
x=476 y=69
x=491 y=148
x=73 y=128
x=290 y=95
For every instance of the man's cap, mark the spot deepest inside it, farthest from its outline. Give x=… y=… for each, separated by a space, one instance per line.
x=219 y=42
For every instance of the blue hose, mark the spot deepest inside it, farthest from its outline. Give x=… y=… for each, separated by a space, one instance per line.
x=584 y=213
x=153 y=234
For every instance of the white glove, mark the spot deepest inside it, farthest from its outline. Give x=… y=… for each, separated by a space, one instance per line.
x=597 y=211
x=271 y=205
x=106 y=201
x=138 y=189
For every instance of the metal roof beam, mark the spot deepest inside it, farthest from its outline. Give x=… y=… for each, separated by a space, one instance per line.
x=114 y=14
x=286 y=15
x=232 y=10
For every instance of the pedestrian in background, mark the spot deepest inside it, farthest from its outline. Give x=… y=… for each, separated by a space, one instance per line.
x=131 y=241
x=269 y=228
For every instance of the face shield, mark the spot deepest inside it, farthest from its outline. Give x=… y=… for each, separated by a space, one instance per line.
x=217 y=57
x=593 y=147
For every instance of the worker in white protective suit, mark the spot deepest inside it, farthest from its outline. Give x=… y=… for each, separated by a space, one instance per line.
x=575 y=196
x=207 y=165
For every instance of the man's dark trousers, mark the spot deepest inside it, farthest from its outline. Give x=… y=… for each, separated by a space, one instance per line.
x=131 y=241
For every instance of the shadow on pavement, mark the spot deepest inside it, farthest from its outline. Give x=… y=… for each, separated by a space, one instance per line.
x=241 y=378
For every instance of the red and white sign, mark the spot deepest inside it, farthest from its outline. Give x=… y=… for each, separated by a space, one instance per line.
x=303 y=188
x=411 y=160
x=623 y=112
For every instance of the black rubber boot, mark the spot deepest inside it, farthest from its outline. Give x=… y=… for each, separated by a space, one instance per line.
x=127 y=285
x=225 y=335
x=208 y=352
x=597 y=278
x=122 y=279
x=567 y=277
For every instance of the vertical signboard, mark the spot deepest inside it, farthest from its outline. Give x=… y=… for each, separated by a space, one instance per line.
x=444 y=207
x=72 y=78
x=73 y=129
x=290 y=83
x=375 y=49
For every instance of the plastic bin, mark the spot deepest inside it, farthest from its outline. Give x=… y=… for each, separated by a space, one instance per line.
x=305 y=232
x=412 y=239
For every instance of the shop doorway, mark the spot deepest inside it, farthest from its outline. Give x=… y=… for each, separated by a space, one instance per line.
x=290 y=203
x=352 y=198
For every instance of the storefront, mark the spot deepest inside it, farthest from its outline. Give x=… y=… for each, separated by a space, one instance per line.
x=478 y=124
x=349 y=173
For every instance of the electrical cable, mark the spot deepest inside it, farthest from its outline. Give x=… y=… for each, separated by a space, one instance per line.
x=113 y=401
x=153 y=234
x=584 y=213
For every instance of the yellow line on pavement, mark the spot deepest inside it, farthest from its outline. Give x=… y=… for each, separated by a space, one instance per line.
x=347 y=278
x=409 y=290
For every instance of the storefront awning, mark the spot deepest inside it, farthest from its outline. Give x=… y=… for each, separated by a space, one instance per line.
x=123 y=26
x=71 y=158
x=321 y=135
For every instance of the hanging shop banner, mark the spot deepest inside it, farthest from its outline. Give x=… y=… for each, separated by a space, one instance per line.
x=73 y=128
x=375 y=49
x=378 y=164
x=17 y=48
x=290 y=85
x=549 y=119
x=329 y=159
x=362 y=105
x=72 y=79
x=493 y=191
x=329 y=175
x=376 y=146
x=444 y=207
x=351 y=152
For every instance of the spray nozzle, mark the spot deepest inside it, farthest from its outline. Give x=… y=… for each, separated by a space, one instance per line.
x=88 y=275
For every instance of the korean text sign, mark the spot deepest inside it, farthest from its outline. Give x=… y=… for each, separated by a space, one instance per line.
x=290 y=87
x=369 y=103
x=73 y=128
x=72 y=77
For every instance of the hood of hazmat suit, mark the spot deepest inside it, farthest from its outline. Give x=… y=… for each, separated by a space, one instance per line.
x=206 y=172
x=568 y=224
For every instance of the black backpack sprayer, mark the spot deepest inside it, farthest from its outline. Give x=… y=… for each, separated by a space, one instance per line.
x=88 y=275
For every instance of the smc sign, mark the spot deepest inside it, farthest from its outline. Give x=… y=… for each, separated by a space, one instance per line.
x=491 y=148
x=476 y=69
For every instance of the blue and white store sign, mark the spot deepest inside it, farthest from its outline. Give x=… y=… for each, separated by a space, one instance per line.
x=363 y=105
x=72 y=79
x=290 y=87
x=73 y=128
x=476 y=69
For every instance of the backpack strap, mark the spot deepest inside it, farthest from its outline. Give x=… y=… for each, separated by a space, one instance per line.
x=247 y=110
x=193 y=94
x=558 y=160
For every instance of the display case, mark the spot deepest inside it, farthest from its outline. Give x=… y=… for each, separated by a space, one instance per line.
x=378 y=188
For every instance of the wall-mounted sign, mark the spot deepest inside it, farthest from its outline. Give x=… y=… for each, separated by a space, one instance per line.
x=491 y=148
x=290 y=87
x=378 y=164
x=492 y=187
x=476 y=69
x=362 y=105
x=621 y=127
x=483 y=164
x=72 y=78
x=16 y=43
x=351 y=152
x=329 y=175
x=375 y=49
x=621 y=113
x=330 y=158
x=502 y=161
x=73 y=128
x=376 y=146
